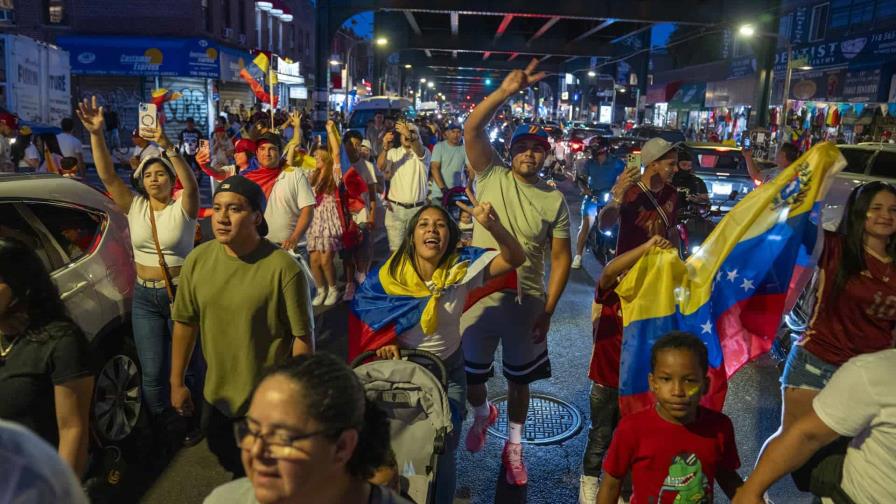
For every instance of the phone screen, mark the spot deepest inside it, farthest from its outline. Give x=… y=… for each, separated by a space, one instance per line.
x=203 y=144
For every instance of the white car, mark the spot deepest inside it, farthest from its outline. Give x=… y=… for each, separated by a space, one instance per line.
x=83 y=240
x=865 y=162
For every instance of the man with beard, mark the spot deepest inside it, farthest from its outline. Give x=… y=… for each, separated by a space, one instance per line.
x=536 y=214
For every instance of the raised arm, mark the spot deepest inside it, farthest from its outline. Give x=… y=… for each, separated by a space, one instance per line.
x=511 y=255
x=92 y=118
x=624 y=262
x=609 y=214
x=189 y=198
x=382 y=161
x=752 y=168
x=416 y=143
x=334 y=140
x=479 y=149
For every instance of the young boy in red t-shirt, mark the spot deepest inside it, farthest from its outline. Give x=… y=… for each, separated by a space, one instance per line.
x=604 y=368
x=677 y=449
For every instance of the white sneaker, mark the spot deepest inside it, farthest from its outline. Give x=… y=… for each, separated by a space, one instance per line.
x=577 y=262
x=588 y=486
x=333 y=296
x=319 y=297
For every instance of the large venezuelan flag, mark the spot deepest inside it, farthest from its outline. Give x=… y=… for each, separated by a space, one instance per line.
x=379 y=314
x=733 y=292
x=258 y=75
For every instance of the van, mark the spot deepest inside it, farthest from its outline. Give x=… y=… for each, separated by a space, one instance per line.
x=390 y=106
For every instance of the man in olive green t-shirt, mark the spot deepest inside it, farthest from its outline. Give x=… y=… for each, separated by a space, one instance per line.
x=536 y=214
x=250 y=302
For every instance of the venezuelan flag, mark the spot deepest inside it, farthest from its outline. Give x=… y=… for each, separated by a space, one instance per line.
x=381 y=309
x=734 y=290
x=258 y=75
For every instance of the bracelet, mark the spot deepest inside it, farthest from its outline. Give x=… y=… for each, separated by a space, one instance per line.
x=171 y=152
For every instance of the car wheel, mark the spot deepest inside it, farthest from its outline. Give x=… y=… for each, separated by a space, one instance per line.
x=116 y=401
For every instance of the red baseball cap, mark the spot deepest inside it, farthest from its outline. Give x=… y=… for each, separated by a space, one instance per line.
x=9 y=120
x=244 y=145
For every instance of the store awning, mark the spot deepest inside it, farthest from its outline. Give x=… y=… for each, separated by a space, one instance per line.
x=142 y=56
x=731 y=93
x=662 y=93
x=689 y=97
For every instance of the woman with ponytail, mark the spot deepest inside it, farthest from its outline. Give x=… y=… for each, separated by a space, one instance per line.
x=310 y=435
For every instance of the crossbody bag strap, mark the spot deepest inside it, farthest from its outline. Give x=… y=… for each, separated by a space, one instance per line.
x=656 y=204
x=155 y=239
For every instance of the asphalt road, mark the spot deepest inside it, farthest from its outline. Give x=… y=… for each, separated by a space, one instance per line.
x=753 y=404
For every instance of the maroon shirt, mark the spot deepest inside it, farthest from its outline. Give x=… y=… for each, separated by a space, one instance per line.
x=607 y=333
x=639 y=220
x=668 y=459
x=861 y=319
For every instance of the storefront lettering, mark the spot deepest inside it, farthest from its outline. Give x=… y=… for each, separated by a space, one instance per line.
x=27 y=75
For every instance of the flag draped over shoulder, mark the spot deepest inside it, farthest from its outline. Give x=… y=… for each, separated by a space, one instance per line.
x=261 y=78
x=734 y=290
x=385 y=306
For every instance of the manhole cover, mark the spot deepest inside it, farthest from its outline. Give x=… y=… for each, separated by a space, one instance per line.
x=550 y=420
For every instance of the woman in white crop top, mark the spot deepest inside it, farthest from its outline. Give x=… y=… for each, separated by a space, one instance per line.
x=176 y=224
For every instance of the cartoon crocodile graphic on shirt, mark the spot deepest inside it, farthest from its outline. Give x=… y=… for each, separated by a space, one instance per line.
x=686 y=481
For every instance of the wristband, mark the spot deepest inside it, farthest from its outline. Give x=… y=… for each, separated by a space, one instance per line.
x=171 y=152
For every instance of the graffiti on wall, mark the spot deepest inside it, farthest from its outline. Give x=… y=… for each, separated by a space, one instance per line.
x=124 y=101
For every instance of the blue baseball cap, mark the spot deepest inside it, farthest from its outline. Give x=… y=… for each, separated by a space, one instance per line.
x=531 y=132
x=454 y=125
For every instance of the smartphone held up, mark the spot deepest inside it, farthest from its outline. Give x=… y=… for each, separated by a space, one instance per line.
x=148 y=120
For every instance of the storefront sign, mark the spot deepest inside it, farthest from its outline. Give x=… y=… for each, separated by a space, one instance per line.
x=298 y=92
x=689 y=97
x=875 y=46
x=142 y=56
x=26 y=78
x=862 y=86
x=742 y=67
x=232 y=61
x=800 y=26
x=289 y=72
x=662 y=93
x=818 y=85
x=59 y=92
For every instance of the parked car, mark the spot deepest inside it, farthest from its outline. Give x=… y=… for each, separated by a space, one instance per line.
x=864 y=162
x=83 y=240
x=725 y=172
x=647 y=132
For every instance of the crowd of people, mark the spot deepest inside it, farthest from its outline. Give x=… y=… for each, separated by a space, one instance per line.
x=225 y=330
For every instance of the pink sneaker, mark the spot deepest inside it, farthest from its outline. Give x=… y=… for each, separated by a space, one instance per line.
x=515 y=468
x=477 y=433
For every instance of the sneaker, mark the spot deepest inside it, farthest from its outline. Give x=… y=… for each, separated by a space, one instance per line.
x=577 y=262
x=319 y=297
x=332 y=296
x=349 y=292
x=514 y=467
x=588 y=486
x=477 y=433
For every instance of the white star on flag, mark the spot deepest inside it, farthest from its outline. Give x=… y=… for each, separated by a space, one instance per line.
x=732 y=275
x=747 y=285
x=707 y=327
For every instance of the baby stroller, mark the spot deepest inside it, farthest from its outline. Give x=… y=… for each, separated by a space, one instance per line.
x=419 y=416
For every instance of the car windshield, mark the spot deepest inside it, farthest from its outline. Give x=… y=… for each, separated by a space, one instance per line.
x=581 y=134
x=719 y=160
x=667 y=135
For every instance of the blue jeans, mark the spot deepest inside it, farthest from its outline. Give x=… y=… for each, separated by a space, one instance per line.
x=151 y=322
x=446 y=479
x=804 y=370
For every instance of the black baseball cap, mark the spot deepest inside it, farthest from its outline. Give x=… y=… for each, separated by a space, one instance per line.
x=454 y=125
x=271 y=138
x=249 y=190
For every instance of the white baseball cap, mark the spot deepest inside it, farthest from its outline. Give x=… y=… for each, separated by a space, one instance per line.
x=654 y=149
x=366 y=143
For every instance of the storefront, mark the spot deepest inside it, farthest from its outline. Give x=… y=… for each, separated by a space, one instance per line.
x=125 y=71
x=233 y=91
x=729 y=104
x=657 y=100
x=686 y=108
x=291 y=85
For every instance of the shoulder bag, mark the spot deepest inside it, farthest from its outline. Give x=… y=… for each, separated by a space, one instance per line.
x=169 y=286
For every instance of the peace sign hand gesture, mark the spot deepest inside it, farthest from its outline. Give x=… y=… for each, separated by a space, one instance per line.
x=518 y=80
x=484 y=214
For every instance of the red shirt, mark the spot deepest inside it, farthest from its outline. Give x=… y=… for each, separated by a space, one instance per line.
x=639 y=219
x=862 y=318
x=669 y=460
x=607 y=333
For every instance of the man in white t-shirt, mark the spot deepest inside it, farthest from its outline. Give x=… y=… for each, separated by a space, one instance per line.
x=407 y=169
x=291 y=200
x=859 y=402
x=70 y=145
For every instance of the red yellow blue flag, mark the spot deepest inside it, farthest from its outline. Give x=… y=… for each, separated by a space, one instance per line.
x=261 y=78
x=734 y=290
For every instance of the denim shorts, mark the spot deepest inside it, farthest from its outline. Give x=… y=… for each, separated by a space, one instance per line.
x=803 y=370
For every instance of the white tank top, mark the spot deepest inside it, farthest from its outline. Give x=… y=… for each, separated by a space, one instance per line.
x=175 y=228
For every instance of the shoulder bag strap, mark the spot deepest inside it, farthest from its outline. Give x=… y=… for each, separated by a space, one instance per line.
x=656 y=205
x=155 y=239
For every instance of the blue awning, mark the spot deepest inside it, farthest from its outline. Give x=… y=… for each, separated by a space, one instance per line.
x=142 y=56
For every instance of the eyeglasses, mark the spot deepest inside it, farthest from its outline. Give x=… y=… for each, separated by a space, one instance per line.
x=277 y=445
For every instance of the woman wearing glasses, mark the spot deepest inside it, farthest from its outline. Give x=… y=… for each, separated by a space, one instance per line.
x=310 y=435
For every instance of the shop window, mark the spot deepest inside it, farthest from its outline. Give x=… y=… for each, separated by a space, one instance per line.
x=884 y=165
x=819 y=25
x=7 y=12
x=56 y=12
x=852 y=15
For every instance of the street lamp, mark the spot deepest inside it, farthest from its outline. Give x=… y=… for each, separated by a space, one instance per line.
x=335 y=62
x=747 y=31
x=422 y=81
x=592 y=73
x=430 y=84
x=381 y=41
x=408 y=66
